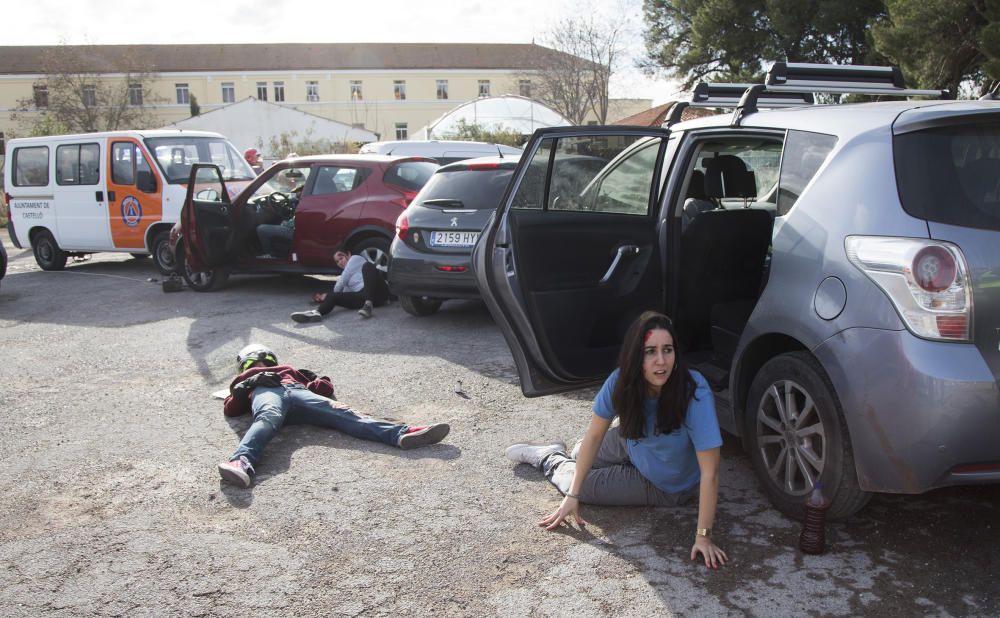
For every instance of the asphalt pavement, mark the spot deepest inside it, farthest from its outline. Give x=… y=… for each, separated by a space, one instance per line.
x=112 y=504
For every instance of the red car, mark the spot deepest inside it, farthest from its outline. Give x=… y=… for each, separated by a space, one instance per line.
x=294 y=216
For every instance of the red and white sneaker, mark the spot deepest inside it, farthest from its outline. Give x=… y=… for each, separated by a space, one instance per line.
x=238 y=472
x=415 y=437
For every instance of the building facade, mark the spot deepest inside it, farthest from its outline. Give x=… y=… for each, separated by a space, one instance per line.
x=393 y=90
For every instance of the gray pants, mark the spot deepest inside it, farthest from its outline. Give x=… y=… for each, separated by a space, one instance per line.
x=612 y=480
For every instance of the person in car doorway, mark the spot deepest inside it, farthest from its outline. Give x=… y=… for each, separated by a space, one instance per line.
x=361 y=286
x=280 y=394
x=664 y=449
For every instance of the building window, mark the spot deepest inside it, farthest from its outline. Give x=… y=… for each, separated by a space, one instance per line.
x=135 y=94
x=484 y=88
x=90 y=96
x=261 y=91
x=356 y=94
x=442 y=89
x=183 y=95
x=279 y=92
x=399 y=89
x=228 y=92
x=41 y=97
x=402 y=132
x=524 y=87
x=312 y=91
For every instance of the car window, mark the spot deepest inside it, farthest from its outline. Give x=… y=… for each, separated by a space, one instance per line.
x=31 y=166
x=603 y=173
x=288 y=180
x=804 y=154
x=410 y=175
x=472 y=189
x=208 y=186
x=176 y=154
x=951 y=174
x=735 y=172
x=333 y=179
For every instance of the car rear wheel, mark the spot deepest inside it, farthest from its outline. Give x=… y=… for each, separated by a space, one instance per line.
x=162 y=255
x=419 y=305
x=796 y=436
x=204 y=280
x=47 y=252
x=375 y=249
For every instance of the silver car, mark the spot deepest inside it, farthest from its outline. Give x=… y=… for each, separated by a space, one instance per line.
x=832 y=270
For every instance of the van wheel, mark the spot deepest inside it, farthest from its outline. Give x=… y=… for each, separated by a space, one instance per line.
x=795 y=434
x=47 y=252
x=204 y=280
x=419 y=305
x=375 y=249
x=162 y=255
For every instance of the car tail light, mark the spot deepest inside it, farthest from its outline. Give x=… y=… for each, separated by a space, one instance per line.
x=927 y=281
x=402 y=226
x=406 y=196
x=452 y=269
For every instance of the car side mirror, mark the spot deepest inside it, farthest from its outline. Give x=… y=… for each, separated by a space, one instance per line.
x=145 y=181
x=207 y=195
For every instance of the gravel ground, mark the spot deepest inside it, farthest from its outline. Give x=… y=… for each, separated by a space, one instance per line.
x=112 y=504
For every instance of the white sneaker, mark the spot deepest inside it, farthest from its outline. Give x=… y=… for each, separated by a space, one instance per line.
x=533 y=454
x=307 y=316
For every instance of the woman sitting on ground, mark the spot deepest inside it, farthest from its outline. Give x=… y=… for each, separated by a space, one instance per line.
x=664 y=449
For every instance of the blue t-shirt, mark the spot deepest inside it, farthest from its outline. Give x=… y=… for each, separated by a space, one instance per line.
x=668 y=460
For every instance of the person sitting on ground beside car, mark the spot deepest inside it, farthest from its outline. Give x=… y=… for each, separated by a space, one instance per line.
x=663 y=451
x=360 y=286
x=279 y=395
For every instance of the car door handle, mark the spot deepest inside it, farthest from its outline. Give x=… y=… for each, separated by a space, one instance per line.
x=624 y=251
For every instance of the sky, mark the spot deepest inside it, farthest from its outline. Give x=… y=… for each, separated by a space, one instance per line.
x=50 y=22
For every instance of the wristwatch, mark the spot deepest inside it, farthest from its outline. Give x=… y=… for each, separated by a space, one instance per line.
x=705 y=532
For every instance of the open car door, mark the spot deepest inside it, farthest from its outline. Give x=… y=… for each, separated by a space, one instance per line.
x=572 y=256
x=207 y=219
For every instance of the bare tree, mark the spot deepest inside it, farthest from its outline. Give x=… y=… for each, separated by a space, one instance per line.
x=88 y=88
x=573 y=79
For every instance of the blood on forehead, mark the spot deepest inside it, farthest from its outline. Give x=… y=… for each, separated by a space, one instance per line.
x=649 y=333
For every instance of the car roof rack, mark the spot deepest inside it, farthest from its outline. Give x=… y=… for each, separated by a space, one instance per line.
x=792 y=84
x=841 y=79
x=729 y=95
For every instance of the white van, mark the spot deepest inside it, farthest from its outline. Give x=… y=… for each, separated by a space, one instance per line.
x=70 y=195
x=444 y=151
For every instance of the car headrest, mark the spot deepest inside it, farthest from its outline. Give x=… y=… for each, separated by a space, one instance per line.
x=728 y=176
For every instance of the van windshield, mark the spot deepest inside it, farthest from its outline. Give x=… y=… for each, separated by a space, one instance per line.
x=951 y=174
x=176 y=154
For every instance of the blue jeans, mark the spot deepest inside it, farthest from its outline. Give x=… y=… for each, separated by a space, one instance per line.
x=294 y=404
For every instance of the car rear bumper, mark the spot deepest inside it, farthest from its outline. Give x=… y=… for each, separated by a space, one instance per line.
x=921 y=414
x=418 y=274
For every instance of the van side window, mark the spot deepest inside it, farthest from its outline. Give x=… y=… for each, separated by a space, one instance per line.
x=78 y=164
x=142 y=168
x=123 y=163
x=31 y=166
x=804 y=154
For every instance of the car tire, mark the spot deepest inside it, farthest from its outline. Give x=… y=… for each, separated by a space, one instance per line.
x=47 y=252
x=822 y=450
x=375 y=249
x=204 y=280
x=420 y=305
x=162 y=255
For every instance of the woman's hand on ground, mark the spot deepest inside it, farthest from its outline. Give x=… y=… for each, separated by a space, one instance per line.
x=714 y=557
x=569 y=506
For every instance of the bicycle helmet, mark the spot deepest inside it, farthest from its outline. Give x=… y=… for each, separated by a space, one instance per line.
x=253 y=353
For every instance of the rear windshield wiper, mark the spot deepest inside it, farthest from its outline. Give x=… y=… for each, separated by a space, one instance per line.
x=444 y=202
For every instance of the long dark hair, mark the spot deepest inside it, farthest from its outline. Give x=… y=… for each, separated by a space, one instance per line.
x=631 y=389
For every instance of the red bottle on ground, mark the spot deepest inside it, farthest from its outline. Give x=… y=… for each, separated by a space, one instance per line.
x=813 y=538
